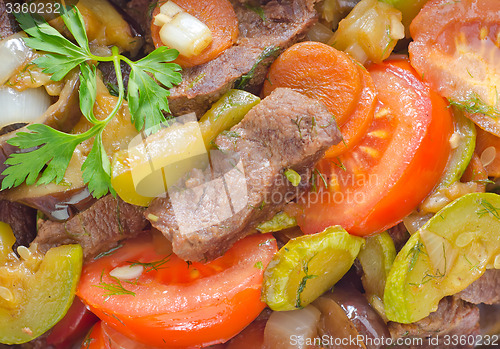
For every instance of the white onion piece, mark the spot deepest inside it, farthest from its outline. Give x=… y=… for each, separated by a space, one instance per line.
x=13 y=53
x=25 y=106
x=291 y=329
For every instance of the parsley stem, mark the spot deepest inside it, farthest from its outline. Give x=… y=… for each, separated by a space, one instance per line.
x=121 y=90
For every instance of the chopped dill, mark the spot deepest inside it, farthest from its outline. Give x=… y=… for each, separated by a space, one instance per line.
x=488 y=209
x=259 y=265
x=196 y=80
x=339 y=164
x=322 y=178
x=108 y=252
x=268 y=52
x=258 y=10
x=415 y=251
x=156 y=265
x=472 y=265
x=302 y=285
x=475 y=105
x=113 y=289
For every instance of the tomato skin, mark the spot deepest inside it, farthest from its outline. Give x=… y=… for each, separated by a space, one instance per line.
x=398 y=170
x=180 y=304
x=456 y=50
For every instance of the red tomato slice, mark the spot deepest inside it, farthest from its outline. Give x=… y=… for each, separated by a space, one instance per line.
x=354 y=129
x=178 y=304
x=456 y=49
x=396 y=165
x=95 y=339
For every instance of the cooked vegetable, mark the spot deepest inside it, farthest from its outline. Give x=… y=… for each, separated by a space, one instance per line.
x=286 y=329
x=462 y=142
x=488 y=150
x=279 y=222
x=151 y=165
x=409 y=9
x=174 y=303
x=359 y=313
x=181 y=31
x=334 y=320
x=307 y=266
x=444 y=256
x=22 y=107
x=455 y=49
x=13 y=53
x=355 y=128
x=370 y=32
x=72 y=327
x=140 y=173
x=228 y=111
x=102 y=336
x=373 y=186
x=217 y=15
x=35 y=290
x=321 y=72
x=54 y=148
x=376 y=258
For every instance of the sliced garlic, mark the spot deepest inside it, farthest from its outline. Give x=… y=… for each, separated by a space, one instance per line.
x=182 y=31
x=127 y=272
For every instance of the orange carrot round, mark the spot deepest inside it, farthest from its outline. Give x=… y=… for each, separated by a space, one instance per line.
x=319 y=71
x=217 y=15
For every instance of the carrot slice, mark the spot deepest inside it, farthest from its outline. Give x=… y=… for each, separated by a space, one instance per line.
x=318 y=71
x=356 y=126
x=218 y=16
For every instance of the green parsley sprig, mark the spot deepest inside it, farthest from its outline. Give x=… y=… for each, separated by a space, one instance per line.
x=52 y=149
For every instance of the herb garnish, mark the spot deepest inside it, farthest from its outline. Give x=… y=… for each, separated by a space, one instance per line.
x=475 y=105
x=54 y=149
x=113 y=289
x=156 y=265
x=302 y=285
x=268 y=52
x=488 y=208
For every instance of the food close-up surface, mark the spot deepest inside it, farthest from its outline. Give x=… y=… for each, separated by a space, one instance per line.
x=249 y=174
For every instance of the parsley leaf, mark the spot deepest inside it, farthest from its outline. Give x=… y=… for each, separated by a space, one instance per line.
x=48 y=151
x=55 y=150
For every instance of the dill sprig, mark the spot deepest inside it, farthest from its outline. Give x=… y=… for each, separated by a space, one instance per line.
x=113 y=289
x=303 y=282
x=475 y=105
x=156 y=265
x=488 y=209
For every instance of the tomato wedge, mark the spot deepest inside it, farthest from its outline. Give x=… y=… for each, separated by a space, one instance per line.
x=381 y=180
x=217 y=15
x=177 y=304
x=456 y=49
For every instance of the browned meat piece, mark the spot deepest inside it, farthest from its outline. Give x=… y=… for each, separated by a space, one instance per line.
x=486 y=289
x=286 y=22
x=453 y=317
x=22 y=220
x=286 y=130
x=97 y=229
x=399 y=235
x=8 y=25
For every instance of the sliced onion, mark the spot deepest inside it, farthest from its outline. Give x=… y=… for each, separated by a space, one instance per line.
x=291 y=329
x=13 y=53
x=25 y=106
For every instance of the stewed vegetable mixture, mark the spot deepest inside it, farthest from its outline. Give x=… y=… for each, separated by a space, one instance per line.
x=249 y=174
